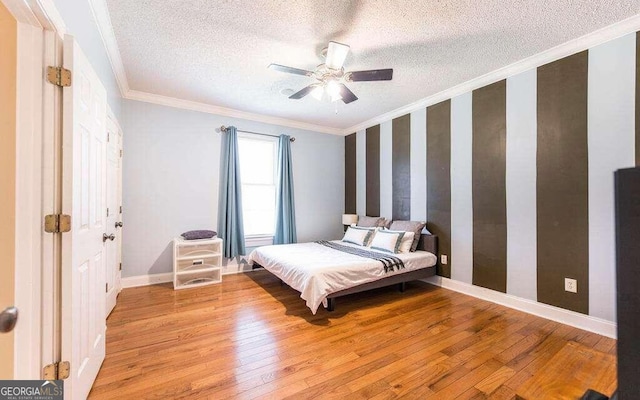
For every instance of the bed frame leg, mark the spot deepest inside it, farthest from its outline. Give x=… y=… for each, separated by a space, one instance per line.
x=402 y=286
x=331 y=304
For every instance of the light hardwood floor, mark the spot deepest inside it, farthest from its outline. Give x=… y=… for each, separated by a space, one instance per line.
x=248 y=337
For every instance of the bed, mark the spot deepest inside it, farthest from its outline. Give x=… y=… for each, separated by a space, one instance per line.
x=322 y=273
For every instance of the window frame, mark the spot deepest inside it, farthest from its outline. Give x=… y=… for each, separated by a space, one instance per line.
x=256 y=240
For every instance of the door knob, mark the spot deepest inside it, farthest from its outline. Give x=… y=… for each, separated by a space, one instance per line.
x=8 y=319
x=119 y=224
x=106 y=237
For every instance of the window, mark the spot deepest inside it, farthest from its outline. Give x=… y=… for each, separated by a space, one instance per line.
x=258 y=175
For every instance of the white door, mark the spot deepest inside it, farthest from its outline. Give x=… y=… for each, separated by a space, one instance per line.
x=83 y=249
x=113 y=216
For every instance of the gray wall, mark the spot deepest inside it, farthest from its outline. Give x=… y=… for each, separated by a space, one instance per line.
x=82 y=25
x=170 y=180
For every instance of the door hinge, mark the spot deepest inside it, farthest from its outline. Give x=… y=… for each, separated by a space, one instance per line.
x=120 y=209
x=59 y=76
x=55 y=223
x=107 y=212
x=120 y=153
x=59 y=370
x=106 y=288
x=120 y=266
x=108 y=137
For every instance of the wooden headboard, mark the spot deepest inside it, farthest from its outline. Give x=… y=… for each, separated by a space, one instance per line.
x=428 y=243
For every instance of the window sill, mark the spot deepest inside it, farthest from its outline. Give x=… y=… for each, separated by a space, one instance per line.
x=255 y=241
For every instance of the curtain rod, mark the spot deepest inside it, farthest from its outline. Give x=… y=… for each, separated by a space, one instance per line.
x=224 y=129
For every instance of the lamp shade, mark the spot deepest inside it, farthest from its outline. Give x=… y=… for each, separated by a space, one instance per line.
x=348 y=219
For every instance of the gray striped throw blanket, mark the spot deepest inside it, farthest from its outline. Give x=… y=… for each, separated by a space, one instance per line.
x=389 y=262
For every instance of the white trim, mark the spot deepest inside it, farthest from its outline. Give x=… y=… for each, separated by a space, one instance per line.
x=227 y=112
x=146 y=280
x=258 y=240
x=582 y=43
x=100 y=12
x=49 y=16
x=28 y=222
x=231 y=268
x=582 y=321
x=21 y=11
x=51 y=202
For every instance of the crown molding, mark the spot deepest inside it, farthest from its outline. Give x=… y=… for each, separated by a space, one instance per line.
x=103 y=19
x=614 y=31
x=227 y=112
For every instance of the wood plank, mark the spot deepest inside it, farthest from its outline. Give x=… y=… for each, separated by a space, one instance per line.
x=251 y=338
x=572 y=369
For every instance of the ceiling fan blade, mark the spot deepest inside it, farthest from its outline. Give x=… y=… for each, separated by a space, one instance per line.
x=305 y=91
x=372 y=75
x=290 y=70
x=347 y=95
x=336 y=54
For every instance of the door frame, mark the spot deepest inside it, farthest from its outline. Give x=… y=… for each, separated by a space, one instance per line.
x=38 y=123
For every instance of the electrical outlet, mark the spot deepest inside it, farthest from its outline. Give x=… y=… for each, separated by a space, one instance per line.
x=570 y=285
x=444 y=259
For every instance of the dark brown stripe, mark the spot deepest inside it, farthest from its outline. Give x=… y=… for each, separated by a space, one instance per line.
x=489 y=160
x=439 y=179
x=562 y=182
x=638 y=99
x=401 y=168
x=350 y=174
x=373 y=171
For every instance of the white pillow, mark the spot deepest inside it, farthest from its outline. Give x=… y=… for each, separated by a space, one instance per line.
x=406 y=242
x=357 y=235
x=387 y=241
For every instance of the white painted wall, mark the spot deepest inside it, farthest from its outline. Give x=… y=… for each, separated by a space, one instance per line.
x=522 y=131
x=171 y=172
x=80 y=23
x=611 y=131
x=386 y=176
x=418 y=160
x=461 y=189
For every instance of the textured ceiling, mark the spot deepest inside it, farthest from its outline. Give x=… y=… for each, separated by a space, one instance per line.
x=217 y=52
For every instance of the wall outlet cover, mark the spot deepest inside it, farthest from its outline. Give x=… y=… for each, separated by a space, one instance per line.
x=444 y=259
x=570 y=285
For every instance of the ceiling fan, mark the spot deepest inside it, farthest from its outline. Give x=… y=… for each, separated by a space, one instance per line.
x=331 y=78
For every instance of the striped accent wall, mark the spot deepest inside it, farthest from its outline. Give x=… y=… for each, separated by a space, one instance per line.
x=401 y=167
x=439 y=178
x=637 y=98
x=372 y=170
x=350 y=167
x=489 y=190
x=562 y=182
x=516 y=178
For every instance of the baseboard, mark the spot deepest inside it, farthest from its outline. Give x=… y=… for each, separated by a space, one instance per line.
x=154 y=279
x=146 y=280
x=582 y=321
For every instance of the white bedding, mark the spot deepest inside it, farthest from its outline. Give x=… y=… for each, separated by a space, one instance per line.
x=317 y=271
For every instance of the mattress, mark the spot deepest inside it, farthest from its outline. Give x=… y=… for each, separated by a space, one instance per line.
x=316 y=271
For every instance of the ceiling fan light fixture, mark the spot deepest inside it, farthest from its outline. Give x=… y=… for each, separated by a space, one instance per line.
x=335 y=98
x=333 y=89
x=336 y=54
x=317 y=93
